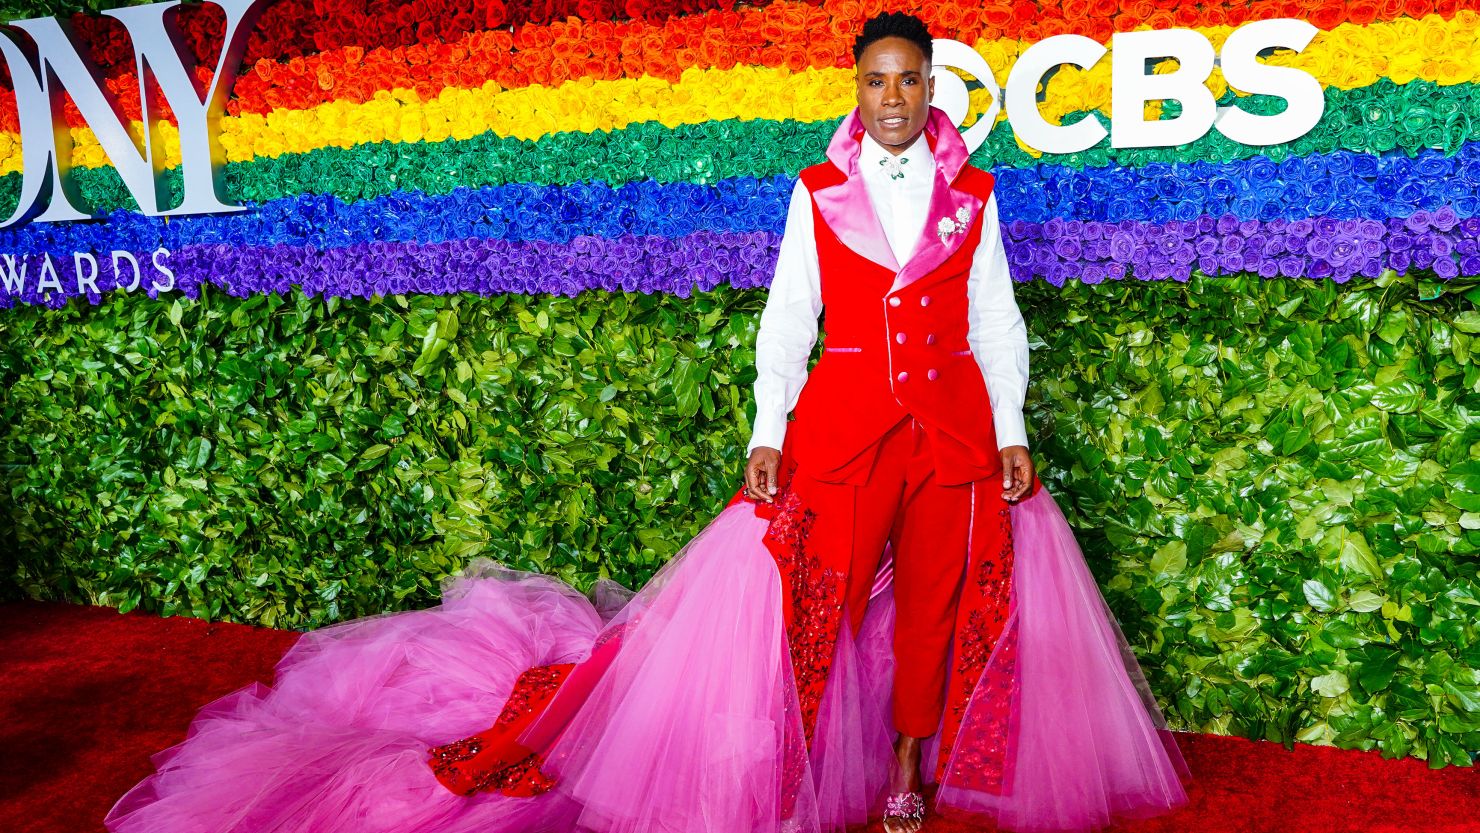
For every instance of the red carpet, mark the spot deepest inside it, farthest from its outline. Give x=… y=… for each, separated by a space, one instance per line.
x=86 y=695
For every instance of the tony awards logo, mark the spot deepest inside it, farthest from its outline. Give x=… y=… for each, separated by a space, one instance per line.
x=45 y=61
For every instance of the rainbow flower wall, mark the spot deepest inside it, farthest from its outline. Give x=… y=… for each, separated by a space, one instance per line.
x=496 y=294
x=426 y=147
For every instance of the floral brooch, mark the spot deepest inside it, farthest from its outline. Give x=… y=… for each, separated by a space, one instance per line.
x=948 y=226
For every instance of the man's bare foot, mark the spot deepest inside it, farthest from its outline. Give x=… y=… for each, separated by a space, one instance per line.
x=906 y=778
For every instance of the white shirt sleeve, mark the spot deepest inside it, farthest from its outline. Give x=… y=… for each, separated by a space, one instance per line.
x=788 y=328
x=996 y=331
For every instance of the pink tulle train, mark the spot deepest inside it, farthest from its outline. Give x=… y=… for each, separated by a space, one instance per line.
x=1087 y=742
x=694 y=726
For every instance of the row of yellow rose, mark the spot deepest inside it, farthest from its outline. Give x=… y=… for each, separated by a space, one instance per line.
x=1432 y=49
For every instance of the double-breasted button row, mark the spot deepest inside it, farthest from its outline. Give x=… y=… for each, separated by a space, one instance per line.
x=932 y=374
x=924 y=301
x=901 y=338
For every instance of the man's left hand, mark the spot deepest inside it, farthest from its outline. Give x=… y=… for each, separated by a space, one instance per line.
x=1017 y=473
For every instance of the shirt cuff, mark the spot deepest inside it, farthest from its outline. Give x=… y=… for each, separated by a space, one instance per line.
x=769 y=431
x=1010 y=428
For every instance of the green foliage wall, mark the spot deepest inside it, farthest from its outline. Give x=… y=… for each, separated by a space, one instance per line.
x=1276 y=482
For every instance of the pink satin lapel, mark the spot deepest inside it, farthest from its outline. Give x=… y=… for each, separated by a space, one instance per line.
x=850 y=214
x=846 y=206
x=930 y=251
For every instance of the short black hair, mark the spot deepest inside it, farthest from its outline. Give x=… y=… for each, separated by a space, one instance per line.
x=892 y=25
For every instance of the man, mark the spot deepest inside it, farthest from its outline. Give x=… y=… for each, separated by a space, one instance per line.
x=915 y=408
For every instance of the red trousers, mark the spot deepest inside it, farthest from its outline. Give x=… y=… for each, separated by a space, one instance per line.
x=930 y=528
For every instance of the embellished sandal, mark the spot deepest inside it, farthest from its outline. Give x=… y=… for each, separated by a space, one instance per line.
x=905 y=805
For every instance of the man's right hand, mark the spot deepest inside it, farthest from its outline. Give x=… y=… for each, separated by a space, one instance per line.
x=760 y=474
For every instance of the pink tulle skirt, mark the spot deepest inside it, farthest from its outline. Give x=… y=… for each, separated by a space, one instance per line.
x=695 y=724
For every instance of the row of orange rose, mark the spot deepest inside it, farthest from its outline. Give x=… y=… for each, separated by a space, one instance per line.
x=792 y=35
x=292 y=29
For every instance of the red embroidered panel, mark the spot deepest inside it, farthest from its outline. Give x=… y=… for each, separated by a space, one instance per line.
x=794 y=765
x=983 y=739
x=532 y=690
x=520 y=779
x=985 y=605
x=492 y=760
x=815 y=598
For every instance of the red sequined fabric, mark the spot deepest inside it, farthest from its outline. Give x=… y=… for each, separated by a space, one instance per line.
x=492 y=760
x=794 y=771
x=815 y=599
x=984 y=734
x=985 y=605
x=532 y=690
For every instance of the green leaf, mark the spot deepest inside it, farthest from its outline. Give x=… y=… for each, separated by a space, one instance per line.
x=1468 y=321
x=1376 y=675
x=1465 y=477
x=1200 y=354
x=1341 y=634
x=1454 y=753
x=1400 y=397
x=1394 y=327
x=1319 y=596
x=1357 y=555
x=1170 y=559
x=198 y=453
x=1333 y=684
x=1466 y=698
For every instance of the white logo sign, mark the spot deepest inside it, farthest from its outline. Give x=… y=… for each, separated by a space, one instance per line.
x=1131 y=87
x=52 y=63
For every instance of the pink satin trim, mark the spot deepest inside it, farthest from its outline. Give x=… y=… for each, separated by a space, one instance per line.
x=848 y=212
x=845 y=207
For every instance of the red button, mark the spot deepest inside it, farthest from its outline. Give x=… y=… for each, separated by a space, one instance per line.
x=893 y=302
x=903 y=376
x=930 y=339
x=899 y=338
x=924 y=300
x=931 y=374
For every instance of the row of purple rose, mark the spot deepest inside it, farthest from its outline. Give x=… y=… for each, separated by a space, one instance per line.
x=1439 y=242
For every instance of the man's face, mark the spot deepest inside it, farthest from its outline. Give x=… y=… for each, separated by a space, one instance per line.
x=894 y=92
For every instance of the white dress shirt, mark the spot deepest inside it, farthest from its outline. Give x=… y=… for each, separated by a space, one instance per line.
x=788 y=328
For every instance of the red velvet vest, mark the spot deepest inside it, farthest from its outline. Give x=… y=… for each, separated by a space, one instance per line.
x=892 y=352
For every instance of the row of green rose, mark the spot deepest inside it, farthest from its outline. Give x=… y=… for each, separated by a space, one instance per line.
x=1379 y=119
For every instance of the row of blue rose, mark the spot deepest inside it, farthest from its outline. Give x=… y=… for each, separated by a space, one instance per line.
x=1341 y=185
